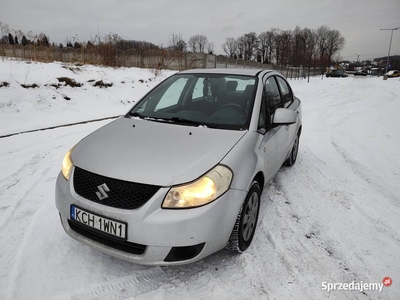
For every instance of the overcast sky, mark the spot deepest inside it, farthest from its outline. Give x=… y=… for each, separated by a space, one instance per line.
x=154 y=21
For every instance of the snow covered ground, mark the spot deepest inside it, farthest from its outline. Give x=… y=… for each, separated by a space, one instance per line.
x=332 y=218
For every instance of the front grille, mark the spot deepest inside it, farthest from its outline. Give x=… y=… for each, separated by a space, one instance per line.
x=97 y=237
x=121 y=194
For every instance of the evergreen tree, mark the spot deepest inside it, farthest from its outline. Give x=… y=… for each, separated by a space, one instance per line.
x=45 y=41
x=16 y=40
x=10 y=39
x=24 y=41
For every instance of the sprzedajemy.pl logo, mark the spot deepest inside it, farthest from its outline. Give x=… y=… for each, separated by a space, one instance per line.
x=356 y=286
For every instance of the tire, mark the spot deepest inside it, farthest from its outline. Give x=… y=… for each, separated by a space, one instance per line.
x=246 y=222
x=293 y=154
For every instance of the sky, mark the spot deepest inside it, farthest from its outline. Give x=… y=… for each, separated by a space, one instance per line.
x=359 y=21
x=333 y=217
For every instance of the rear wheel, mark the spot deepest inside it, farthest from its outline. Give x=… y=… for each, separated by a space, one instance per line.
x=293 y=155
x=246 y=222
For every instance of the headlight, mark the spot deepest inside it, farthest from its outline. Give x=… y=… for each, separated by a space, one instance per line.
x=200 y=192
x=67 y=164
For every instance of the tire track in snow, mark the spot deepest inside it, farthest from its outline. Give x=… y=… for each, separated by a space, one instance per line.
x=302 y=249
x=59 y=126
x=376 y=185
x=8 y=185
x=129 y=287
x=322 y=214
x=22 y=216
x=18 y=210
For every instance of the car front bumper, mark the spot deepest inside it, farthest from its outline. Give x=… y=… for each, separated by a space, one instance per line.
x=169 y=236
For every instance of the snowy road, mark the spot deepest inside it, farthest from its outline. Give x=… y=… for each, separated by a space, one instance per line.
x=334 y=217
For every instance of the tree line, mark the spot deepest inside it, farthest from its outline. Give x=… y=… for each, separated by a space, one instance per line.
x=302 y=46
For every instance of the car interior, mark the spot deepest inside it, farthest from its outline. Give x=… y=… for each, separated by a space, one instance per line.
x=212 y=100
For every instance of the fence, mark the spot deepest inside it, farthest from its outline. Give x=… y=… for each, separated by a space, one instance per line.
x=153 y=59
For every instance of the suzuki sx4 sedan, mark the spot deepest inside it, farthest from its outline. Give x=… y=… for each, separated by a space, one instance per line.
x=180 y=176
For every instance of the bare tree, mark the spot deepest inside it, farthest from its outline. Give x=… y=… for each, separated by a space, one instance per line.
x=264 y=46
x=298 y=47
x=210 y=47
x=177 y=43
x=4 y=33
x=193 y=44
x=283 y=43
x=270 y=42
x=322 y=39
x=336 y=43
x=310 y=46
x=18 y=34
x=250 y=43
x=230 y=46
x=241 y=46
x=303 y=46
x=202 y=41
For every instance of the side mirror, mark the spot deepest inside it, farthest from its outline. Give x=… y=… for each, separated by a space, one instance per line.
x=284 y=116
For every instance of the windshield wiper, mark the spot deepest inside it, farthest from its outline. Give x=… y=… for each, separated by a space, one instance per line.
x=173 y=119
x=136 y=114
x=186 y=121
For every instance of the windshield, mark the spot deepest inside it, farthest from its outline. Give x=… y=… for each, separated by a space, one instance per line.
x=212 y=100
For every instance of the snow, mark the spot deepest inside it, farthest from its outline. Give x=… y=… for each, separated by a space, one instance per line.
x=333 y=217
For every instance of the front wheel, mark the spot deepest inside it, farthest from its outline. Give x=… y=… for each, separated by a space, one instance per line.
x=246 y=222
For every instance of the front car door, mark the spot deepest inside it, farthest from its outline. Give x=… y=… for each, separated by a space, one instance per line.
x=275 y=138
x=288 y=102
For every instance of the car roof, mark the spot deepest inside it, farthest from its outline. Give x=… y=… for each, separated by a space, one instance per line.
x=248 y=72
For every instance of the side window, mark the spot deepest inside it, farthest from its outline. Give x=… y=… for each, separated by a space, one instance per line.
x=272 y=96
x=286 y=92
x=172 y=95
x=198 y=89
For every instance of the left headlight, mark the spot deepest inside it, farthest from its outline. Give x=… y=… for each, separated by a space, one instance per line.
x=200 y=192
x=67 y=164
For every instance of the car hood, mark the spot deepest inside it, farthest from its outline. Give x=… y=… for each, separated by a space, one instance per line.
x=151 y=152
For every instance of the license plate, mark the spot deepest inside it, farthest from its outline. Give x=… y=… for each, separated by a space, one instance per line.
x=98 y=222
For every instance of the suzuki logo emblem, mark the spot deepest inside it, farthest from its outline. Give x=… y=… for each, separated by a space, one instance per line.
x=101 y=194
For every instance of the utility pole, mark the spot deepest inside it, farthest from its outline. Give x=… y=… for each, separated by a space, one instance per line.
x=390 y=45
x=358 y=55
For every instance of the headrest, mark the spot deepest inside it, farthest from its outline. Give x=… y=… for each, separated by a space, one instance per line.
x=249 y=89
x=231 y=86
x=214 y=88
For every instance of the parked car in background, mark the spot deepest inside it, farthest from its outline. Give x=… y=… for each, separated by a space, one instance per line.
x=393 y=73
x=361 y=73
x=180 y=176
x=337 y=73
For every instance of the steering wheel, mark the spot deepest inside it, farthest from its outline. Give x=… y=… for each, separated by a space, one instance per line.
x=235 y=106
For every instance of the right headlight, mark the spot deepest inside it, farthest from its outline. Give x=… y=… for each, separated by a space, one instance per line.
x=200 y=192
x=67 y=164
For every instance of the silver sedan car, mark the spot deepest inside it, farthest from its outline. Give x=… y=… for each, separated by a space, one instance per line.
x=180 y=176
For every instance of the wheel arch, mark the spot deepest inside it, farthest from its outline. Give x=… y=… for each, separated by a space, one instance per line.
x=260 y=179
